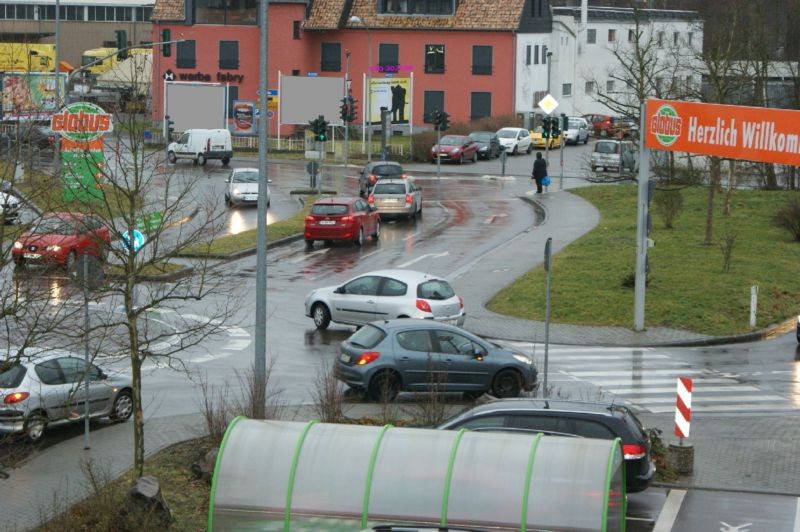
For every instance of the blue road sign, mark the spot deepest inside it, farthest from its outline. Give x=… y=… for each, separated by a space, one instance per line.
x=138 y=239
x=312 y=74
x=272 y=92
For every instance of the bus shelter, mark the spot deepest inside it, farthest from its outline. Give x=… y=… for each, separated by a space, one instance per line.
x=278 y=475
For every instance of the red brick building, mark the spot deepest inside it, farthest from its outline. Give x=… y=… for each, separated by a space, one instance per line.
x=461 y=52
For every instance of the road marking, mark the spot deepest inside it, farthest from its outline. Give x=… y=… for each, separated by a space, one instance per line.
x=492 y=218
x=371 y=253
x=631 y=381
x=697 y=390
x=423 y=257
x=622 y=373
x=733 y=399
x=733 y=407
x=797 y=516
x=305 y=256
x=669 y=513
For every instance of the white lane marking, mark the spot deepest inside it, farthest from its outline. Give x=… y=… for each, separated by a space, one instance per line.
x=733 y=407
x=305 y=256
x=237 y=345
x=413 y=235
x=797 y=516
x=732 y=399
x=631 y=381
x=604 y=357
x=697 y=390
x=669 y=512
x=617 y=373
x=492 y=218
x=371 y=253
x=423 y=257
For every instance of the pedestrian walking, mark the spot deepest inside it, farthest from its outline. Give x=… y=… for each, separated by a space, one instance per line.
x=539 y=171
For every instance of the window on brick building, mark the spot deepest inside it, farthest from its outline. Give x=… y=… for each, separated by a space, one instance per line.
x=331 y=60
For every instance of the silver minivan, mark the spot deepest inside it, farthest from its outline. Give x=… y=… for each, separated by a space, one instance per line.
x=397 y=197
x=615 y=155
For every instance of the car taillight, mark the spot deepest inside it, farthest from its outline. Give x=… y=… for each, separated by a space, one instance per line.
x=372 y=179
x=403 y=176
x=16 y=397
x=423 y=305
x=371 y=199
x=366 y=358
x=634 y=452
x=346 y=219
x=460 y=302
x=309 y=218
x=409 y=198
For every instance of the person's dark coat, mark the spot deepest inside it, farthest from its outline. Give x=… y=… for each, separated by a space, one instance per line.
x=539 y=169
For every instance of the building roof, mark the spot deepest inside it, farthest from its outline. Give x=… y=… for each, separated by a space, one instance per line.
x=168 y=10
x=607 y=14
x=481 y=15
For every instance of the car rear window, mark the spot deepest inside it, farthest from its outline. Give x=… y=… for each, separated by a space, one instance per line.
x=606 y=147
x=388 y=169
x=367 y=336
x=329 y=208
x=435 y=289
x=390 y=188
x=11 y=374
x=633 y=423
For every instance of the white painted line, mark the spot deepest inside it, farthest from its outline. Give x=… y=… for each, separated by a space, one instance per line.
x=371 y=253
x=301 y=258
x=611 y=383
x=669 y=512
x=607 y=356
x=732 y=399
x=423 y=257
x=237 y=345
x=696 y=392
x=576 y=349
x=674 y=371
x=797 y=516
x=733 y=407
x=413 y=235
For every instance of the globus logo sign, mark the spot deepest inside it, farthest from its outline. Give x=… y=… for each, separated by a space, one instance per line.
x=666 y=125
x=81 y=122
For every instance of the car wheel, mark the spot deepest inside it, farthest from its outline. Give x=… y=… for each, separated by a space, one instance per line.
x=514 y=151
x=201 y=159
x=225 y=161
x=171 y=157
x=377 y=234
x=474 y=157
x=35 y=427
x=123 y=407
x=321 y=315
x=360 y=238
x=309 y=244
x=72 y=258
x=19 y=263
x=506 y=384
x=529 y=149
x=461 y=159
x=384 y=386
x=227 y=201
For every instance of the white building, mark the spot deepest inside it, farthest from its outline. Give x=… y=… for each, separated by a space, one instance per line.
x=582 y=55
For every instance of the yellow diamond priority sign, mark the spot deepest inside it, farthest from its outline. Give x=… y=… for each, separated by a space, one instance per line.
x=548 y=104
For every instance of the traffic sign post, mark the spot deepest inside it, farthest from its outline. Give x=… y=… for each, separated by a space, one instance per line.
x=548 y=257
x=137 y=240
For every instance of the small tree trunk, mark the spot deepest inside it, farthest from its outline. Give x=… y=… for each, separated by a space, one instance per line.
x=136 y=372
x=712 y=188
x=771 y=177
x=729 y=190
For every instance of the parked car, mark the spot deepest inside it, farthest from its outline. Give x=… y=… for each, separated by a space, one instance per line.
x=31 y=134
x=615 y=155
x=577 y=418
x=396 y=197
x=376 y=170
x=386 y=294
x=47 y=389
x=348 y=219
x=387 y=357
x=598 y=124
x=488 y=144
x=623 y=127
x=58 y=238
x=242 y=187
x=515 y=140
x=539 y=142
x=200 y=145
x=577 y=131
x=9 y=207
x=455 y=148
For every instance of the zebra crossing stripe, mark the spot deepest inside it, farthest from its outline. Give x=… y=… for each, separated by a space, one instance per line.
x=683 y=407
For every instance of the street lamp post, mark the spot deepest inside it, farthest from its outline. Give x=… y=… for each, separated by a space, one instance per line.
x=368 y=104
x=547 y=144
x=347 y=102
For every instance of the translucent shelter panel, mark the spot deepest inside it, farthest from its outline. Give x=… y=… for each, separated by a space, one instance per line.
x=332 y=470
x=488 y=480
x=570 y=474
x=616 y=496
x=409 y=476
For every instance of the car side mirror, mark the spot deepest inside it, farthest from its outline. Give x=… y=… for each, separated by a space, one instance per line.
x=339 y=290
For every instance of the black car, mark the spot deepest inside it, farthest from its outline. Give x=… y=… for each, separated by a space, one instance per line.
x=488 y=144
x=33 y=135
x=378 y=170
x=573 y=418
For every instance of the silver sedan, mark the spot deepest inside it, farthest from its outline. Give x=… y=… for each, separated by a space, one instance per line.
x=242 y=187
x=397 y=197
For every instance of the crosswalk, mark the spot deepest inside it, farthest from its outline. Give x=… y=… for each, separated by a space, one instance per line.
x=645 y=380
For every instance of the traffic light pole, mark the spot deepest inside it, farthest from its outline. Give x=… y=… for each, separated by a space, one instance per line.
x=346 y=123
x=547 y=144
x=640 y=282
x=438 y=152
x=561 y=169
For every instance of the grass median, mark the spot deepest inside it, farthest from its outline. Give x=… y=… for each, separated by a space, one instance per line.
x=687 y=287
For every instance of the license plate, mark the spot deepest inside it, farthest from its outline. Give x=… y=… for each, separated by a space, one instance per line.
x=344 y=357
x=327 y=222
x=32 y=256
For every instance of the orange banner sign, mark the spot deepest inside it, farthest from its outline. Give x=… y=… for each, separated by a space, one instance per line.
x=730 y=131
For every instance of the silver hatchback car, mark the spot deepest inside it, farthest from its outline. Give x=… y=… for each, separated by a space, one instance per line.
x=385 y=294
x=241 y=187
x=396 y=197
x=43 y=390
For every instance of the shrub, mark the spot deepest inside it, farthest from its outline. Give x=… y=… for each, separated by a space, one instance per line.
x=668 y=205
x=788 y=217
x=726 y=246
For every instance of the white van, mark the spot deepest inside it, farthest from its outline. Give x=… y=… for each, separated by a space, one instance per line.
x=200 y=145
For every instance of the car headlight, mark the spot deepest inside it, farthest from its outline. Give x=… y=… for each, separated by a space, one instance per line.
x=18 y=245
x=236 y=192
x=523 y=359
x=456 y=150
x=53 y=248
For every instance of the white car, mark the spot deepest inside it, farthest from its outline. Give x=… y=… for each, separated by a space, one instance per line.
x=515 y=140
x=242 y=187
x=577 y=130
x=9 y=207
x=386 y=295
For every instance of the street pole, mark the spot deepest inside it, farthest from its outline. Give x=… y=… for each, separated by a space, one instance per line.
x=548 y=251
x=369 y=95
x=640 y=282
x=561 y=156
x=438 y=153
x=547 y=144
x=86 y=351
x=57 y=136
x=260 y=363
x=347 y=102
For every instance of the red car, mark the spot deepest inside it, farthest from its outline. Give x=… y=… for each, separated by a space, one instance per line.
x=59 y=237
x=349 y=219
x=458 y=148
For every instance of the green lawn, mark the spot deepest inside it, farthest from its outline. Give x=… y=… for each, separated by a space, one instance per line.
x=687 y=289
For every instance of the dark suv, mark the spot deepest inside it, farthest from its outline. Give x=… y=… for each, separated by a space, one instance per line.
x=568 y=418
x=378 y=170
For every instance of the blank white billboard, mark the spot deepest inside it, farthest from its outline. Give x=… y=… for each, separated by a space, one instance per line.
x=303 y=99
x=196 y=105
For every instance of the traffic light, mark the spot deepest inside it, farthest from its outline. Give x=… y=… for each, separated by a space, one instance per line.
x=319 y=126
x=555 y=129
x=546 y=127
x=441 y=120
x=122 y=42
x=166 y=49
x=352 y=109
x=170 y=127
x=344 y=110
x=436 y=118
x=564 y=122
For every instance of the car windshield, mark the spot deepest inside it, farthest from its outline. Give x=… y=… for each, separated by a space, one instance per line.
x=435 y=289
x=389 y=188
x=388 y=169
x=248 y=176
x=452 y=141
x=11 y=374
x=507 y=133
x=481 y=137
x=606 y=147
x=367 y=336
x=54 y=225
x=574 y=124
x=538 y=129
x=329 y=208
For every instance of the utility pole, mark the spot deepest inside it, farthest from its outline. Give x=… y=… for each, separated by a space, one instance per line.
x=346 y=94
x=640 y=280
x=57 y=137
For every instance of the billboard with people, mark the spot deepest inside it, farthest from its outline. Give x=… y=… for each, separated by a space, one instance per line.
x=31 y=95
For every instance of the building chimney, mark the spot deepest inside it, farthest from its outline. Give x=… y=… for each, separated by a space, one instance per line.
x=584 y=13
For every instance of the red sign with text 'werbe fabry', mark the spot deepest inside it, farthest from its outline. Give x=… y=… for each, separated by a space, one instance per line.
x=730 y=131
